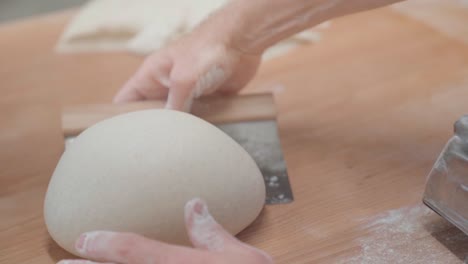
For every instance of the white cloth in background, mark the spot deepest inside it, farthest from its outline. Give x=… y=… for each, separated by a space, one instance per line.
x=142 y=26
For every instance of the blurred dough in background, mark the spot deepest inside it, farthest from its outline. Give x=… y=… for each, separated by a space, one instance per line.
x=449 y=17
x=142 y=26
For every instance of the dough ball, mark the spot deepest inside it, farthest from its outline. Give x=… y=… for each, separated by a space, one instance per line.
x=136 y=171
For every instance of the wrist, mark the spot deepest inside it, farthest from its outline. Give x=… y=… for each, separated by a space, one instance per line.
x=252 y=26
x=226 y=27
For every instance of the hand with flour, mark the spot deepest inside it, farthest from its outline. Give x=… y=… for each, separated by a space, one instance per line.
x=212 y=245
x=195 y=65
x=223 y=52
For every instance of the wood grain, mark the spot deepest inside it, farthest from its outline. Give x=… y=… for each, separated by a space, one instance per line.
x=362 y=116
x=214 y=109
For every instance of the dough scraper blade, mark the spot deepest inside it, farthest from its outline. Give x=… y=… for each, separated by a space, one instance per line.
x=249 y=119
x=446 y=190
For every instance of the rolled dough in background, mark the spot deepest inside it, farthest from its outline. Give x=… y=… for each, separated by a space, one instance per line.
x=135 y=172
x=143 y=26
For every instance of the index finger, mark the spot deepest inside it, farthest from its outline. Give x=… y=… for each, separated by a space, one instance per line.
x=151 y=81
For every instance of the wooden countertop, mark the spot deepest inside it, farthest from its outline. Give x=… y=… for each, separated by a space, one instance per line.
x=362 y=116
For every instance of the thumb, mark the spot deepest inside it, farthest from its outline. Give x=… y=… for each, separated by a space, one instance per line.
x=204 y=232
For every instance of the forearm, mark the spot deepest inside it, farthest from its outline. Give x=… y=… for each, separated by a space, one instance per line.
x=254 y=25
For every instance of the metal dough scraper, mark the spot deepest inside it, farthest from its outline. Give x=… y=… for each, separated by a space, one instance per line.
x=249 y=119
x=447 y=184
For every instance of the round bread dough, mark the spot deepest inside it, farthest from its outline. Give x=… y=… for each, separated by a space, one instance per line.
x=136 y=171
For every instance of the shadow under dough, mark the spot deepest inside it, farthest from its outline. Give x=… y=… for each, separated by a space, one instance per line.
x=56 y=252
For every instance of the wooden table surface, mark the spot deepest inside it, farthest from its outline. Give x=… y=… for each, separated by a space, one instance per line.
x=362 y=116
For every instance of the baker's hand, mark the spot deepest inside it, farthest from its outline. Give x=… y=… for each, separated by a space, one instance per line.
x=200 y=63
x=212 y=245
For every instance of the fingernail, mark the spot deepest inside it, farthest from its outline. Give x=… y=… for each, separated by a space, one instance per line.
x=81 y=243
x=201 y=213
x=199 y=208
x=66 y=262
x=85 y=240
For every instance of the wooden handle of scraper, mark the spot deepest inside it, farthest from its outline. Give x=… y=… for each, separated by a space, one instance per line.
x=226 y=109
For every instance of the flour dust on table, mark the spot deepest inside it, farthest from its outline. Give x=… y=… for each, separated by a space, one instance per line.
x=410 y=235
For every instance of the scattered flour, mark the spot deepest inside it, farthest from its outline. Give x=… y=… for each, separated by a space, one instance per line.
x=410 y=235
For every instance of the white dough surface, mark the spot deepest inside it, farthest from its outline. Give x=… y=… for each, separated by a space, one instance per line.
x=135 y=172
